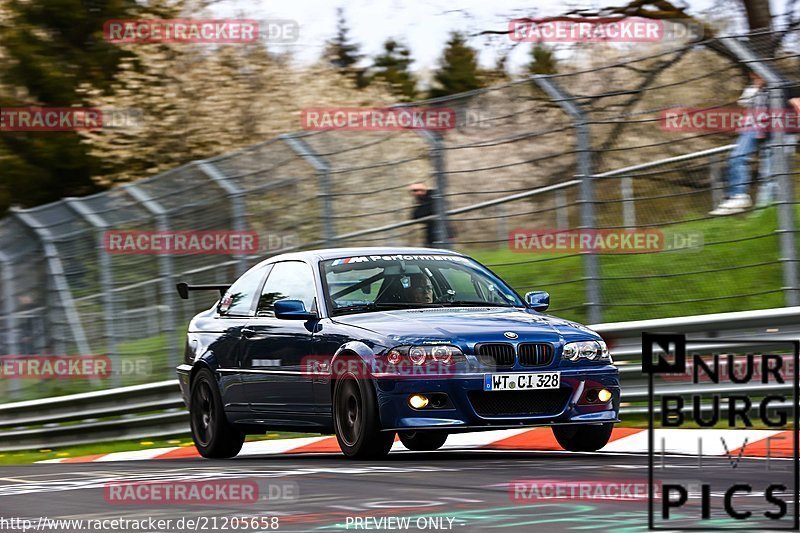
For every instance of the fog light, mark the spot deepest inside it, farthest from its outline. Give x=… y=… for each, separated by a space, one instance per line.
x=418 y=401
x=604 y=395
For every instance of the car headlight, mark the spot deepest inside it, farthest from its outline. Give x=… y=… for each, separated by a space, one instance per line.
x=443 y=354
x=417 y=355
x=591 y=350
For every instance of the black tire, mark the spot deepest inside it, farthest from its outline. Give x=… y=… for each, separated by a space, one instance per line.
x=423 y=441
x=213 y=436
x=355 y=419
x=583 y=438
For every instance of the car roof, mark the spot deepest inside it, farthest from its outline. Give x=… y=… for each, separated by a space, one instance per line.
x=335 y=253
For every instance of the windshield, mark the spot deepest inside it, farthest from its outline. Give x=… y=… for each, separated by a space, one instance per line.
x=364 y=283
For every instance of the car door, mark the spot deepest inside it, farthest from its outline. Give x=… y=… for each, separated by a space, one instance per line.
x=235 y=309
x=273 y=350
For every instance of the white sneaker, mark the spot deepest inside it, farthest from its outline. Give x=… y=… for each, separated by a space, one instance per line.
x=733 y=205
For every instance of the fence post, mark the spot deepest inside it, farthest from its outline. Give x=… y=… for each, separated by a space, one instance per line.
x=562 y=215
x=717 y=184
x=7 y=280
x=106 y=283
x=165 y=267
x=57 y=279
x=435 y=141
x=785 y=202
x=304 y=150
x=502 y=223
x=236 y=196
x=628 y=205
x=780 y=169
x=591 y=266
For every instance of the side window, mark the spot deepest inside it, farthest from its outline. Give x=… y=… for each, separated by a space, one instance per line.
x=239 y=298
x=288 y=280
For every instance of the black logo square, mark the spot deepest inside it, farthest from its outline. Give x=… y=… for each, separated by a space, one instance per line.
x=664 y=365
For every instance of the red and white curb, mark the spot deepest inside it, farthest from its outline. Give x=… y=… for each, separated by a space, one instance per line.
x=752 y=443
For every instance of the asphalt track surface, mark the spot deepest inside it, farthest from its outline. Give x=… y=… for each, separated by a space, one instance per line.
x=461 y=491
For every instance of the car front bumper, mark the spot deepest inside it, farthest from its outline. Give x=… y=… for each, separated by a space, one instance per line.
x=470 y=408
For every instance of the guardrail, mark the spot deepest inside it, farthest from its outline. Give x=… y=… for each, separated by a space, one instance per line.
x=138 y=411
x=156 y=409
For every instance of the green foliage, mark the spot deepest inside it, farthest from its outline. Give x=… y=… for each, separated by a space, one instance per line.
x=458 y=70
x=392 y=66
x=48 y=50
x=343 y=54
x=543 y=60
x=180 y=440
x=651 y=278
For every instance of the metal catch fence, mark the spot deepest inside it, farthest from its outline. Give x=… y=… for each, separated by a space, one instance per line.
x=581 y=150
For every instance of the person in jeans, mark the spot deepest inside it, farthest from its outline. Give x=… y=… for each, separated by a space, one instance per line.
x=769 y=187
x=753 y=97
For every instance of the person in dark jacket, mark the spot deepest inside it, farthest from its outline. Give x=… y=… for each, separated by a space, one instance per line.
x=423 y=196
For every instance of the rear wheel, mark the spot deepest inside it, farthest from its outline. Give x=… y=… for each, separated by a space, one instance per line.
x=583 y=438
x=423 y=441
x=213 y=436
x=356 y=421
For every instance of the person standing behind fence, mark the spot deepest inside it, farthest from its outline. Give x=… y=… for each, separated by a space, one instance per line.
x=424 y=208
x=753 y=97
x=770 y=152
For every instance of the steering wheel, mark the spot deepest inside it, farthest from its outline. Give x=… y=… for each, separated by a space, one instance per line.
x=446 y=298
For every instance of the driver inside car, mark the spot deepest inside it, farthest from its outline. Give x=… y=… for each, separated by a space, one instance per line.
x=420 y=290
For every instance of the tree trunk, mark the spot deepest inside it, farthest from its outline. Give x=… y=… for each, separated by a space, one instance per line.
x=759 y=18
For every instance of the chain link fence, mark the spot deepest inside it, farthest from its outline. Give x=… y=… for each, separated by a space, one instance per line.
x=578 y=150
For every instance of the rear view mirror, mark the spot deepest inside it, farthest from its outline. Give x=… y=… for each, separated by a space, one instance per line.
x=538 y=300
x=293 y=310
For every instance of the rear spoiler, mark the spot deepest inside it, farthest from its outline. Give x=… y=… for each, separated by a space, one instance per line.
x=184 y=288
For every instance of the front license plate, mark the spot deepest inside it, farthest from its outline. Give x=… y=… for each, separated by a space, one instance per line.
x=526 y=381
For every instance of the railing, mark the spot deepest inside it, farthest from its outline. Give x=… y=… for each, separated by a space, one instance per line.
x=156 y=409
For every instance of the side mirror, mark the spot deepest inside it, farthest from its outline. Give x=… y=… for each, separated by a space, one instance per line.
x=538 y=300
x=293 y=310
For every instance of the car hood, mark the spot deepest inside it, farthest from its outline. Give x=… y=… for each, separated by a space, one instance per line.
x=468 y=325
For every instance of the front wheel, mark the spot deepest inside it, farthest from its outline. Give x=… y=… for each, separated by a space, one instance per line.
x=356 y=421
x=423 y=441
x=583 y=438
x=213 y=436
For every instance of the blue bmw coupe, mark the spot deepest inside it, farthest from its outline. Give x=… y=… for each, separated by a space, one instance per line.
x=367 y=343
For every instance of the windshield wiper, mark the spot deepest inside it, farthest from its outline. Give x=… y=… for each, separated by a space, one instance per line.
x=355 y=307
x=374 y=306
x=473 y=303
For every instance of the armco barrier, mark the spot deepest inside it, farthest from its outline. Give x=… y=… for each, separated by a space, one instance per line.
x=156 y=409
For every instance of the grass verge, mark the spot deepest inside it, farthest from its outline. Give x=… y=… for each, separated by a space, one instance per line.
x=32 y=456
